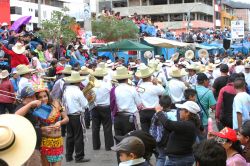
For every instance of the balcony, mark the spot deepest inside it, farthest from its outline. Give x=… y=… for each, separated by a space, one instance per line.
x=163 y=9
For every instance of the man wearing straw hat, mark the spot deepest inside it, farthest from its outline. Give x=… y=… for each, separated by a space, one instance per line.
x=191 y=78
x=124 y=103
x=75 y=104
x=25 y=75
x=150 y=97
x=7 y=96
x=176 y=85
x=101 y=113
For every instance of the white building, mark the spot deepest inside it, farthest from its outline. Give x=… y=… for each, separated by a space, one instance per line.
x=19 y=8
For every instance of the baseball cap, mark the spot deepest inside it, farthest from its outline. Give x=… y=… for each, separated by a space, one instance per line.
x=201 y=77
x=190 y=106
x=27 y=91
x=130 y=144
x=224 y=68
x=226 y=133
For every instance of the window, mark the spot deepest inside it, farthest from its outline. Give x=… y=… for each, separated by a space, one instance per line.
x=175 y=1
x=188 y=1
x=36 y=13
x=159 y=2
x=15 y=10
x=176 y=17
x=217 y=16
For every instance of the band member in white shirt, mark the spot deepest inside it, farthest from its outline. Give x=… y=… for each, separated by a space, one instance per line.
x=176 y=85
x=75 y=104
x=125 y=103
x=150 y=96
x=191 y=78
x=101 y=113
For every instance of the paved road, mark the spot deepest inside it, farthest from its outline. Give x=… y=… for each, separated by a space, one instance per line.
x=98 y=157
x=103 y=157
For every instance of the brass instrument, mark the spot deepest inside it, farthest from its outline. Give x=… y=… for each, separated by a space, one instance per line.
x=138 y=88
x=47 y=79
x=89 y=93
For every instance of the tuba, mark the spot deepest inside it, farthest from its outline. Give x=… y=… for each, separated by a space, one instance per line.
x=89 y=93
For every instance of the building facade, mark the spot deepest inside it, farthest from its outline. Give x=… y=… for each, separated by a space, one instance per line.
x=167 y=13
x=19 y=8
x=244 y=14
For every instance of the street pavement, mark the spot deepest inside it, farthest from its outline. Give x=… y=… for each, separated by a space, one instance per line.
x=102 y=157
x=98 y=157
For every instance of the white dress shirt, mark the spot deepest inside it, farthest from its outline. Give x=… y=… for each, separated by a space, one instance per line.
x=192 y=80
x=127 y=98
x=176 y=90
x=74 y=100
x=109 y=76
x=103 y=94
x=160 y=75
x=150 y=98
x=23 y=83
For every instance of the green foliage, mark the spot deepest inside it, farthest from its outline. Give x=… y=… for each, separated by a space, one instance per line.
x=112 y=29
x=58 y=26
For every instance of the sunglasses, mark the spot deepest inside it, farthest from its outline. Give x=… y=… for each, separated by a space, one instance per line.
x=220 y=140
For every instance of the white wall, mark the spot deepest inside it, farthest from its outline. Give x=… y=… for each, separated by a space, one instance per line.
x=28 y=9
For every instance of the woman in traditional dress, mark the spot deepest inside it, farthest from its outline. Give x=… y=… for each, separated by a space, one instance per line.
x=52 y=141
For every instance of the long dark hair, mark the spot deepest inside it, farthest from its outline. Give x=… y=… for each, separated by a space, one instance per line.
x=195 y=119
x=237 y=146
x=49 y=98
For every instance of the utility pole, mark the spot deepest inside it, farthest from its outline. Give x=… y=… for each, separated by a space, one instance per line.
x=39 y=13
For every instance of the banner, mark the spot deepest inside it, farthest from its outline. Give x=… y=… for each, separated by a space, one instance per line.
x=237 y=29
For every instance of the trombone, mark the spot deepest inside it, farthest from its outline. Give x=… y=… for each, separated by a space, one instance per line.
x=138 y=88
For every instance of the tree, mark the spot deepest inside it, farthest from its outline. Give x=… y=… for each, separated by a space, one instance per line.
x=111 y=29
x=59 y=26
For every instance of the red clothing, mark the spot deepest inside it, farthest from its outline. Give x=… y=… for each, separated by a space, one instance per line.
x=16 y=59
x=229 y=88
x=7 y=86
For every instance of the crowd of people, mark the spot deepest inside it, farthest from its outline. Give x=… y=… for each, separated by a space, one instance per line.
x=162 y=108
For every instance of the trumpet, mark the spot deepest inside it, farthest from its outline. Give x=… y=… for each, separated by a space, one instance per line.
x=138 y=88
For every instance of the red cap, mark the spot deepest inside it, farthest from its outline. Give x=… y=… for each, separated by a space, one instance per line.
x=227 y=133
x=59 y=69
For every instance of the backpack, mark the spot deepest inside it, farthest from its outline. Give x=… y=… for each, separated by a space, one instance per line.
x=158 y=132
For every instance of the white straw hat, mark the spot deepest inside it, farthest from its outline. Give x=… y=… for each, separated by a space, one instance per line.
x=85 y=71
x=190 y=106
x=17 y=139
x=144 y=72
x=4 y=74
x=18 y=48
x=176 y=72
x=99 y=72
x=23 y=69
x=203 y=53
x=74 y=78
x=189 y=54
x=122 y=73
x=67 y=69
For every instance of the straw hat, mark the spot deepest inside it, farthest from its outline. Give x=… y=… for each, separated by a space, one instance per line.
x=102 y=65
x=176 y=72
x=203 y=53
x=210 y=67
x=193 y=66
x=23 y=69
x=184 y=63
x=109 y=63
x=99 y=72
x=4 y=74
x=18 y=48
x=247 y=66
x=17 y=139
x=175 y=56
x=217 y=62
x=189 y=54
x=85 y=71
x=122 y=73
x=144 y=72
x=67 y=69
x=202 y=68
x=74 y=78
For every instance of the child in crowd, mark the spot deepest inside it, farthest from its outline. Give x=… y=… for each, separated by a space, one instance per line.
x=131 y=150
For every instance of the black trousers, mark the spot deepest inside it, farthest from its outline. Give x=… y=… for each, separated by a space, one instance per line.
x=145 y=119
x=87 y=118
x=74 y=139
x=122 y=125
x=7 y=106
x=102 y=115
